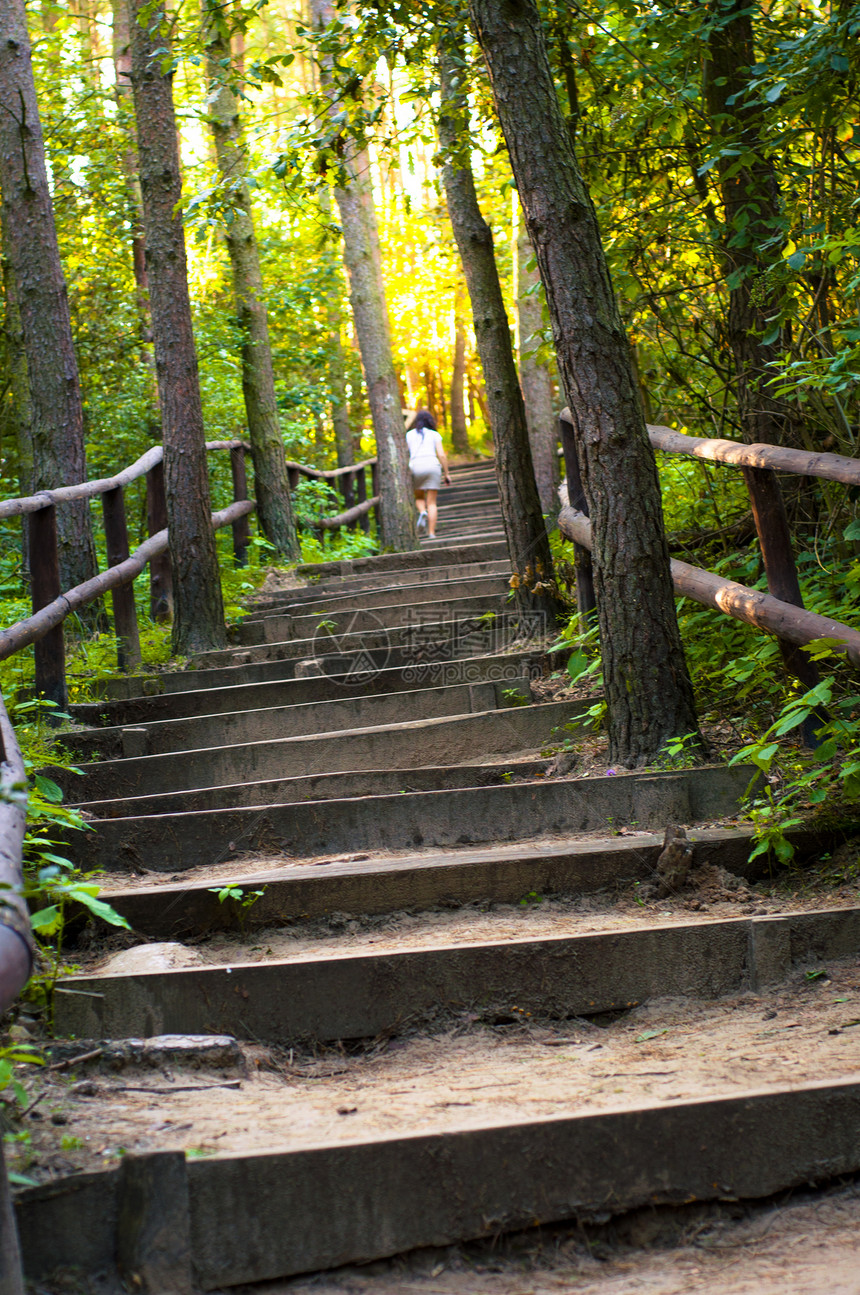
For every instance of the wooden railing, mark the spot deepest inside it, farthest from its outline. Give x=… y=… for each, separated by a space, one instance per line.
x=774 y=612
x=51 y=606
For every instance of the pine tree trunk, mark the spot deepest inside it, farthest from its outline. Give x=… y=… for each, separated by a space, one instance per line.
x=271 y=484
x=34 y=257
x=337 y=359
x=459 y=430
x=751 y=207
x=370 y=314
x=535 y=378
x=122 y=71
x=198 y=623
x=647 y=687
x=528 y=544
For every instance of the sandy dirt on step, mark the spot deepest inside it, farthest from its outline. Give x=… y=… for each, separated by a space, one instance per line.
x=807 y=1247
x=713 y=895
x=473 y=1074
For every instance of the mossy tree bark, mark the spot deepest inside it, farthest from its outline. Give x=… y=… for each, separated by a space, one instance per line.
x=271 y=483
x=198 y=623
x=30 y=245
x=647 y=686
x=528 y=544
x=370 y=315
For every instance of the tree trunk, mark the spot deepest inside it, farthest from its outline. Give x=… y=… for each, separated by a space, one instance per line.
x=528 y=544
x=367 y=298
x=459 y=431
x=122 y=70
x=647 y=687
x=198 y=622
x=535 y=378
x=21 y=415
x=34 y=257
x=336 y=358
x=271 y=484
x=751 y=208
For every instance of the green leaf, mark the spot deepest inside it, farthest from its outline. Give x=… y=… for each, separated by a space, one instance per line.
x=48 y=788
x=797 y=260
x=97 y=906
x=852 y=531
x=775 y=91
x=577 y=665
x=649 y=1034
x=47 y=921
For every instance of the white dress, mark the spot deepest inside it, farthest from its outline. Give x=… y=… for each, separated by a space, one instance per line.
x=424 y=463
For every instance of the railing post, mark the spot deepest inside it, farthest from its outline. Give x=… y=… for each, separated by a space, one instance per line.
x=11 y=1277
x=774 y=536
x=374 y=488
x=346 y=490
x=45 y=587
x=294 y=477
x=160 y=574
x=124 y=610
x=361 y=497
x=586 y=603
x=241 y=529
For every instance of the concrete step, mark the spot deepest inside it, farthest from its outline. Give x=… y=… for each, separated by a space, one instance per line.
x=470 y=1154
x=419 y=639
x=323 y=786
x=470 y=551
x=143 y=710
x=392 y=745
x=352 y=586
x=327 y=996
x=256 y=665
x=396 y=883
x=223 y=728
x=394 y=595
x=357 y=618
x=476 y=815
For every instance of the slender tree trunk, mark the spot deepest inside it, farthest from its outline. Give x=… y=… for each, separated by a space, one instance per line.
x=198 y=622
x=337 y=357
x=122 y=70
x=271 y=484
x=367 y=298
x=528 y=544
x=337 y=384
x=21 y=418
x=752 y=219
x=459 y=430
x=752 y=222
x=535 y=378
x=34 y=257
x=648 y=690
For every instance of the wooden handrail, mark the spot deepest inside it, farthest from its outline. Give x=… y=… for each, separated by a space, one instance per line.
x=16 y=941
x=736 y=454
x=765 y=612
x=35 y=627
x=330 y=474
x=343 y=519
x=92 y=489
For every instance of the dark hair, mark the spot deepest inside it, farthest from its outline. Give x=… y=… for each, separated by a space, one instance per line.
x=424 y=419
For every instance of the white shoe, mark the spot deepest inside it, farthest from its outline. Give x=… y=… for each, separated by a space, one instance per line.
x=421 y=524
